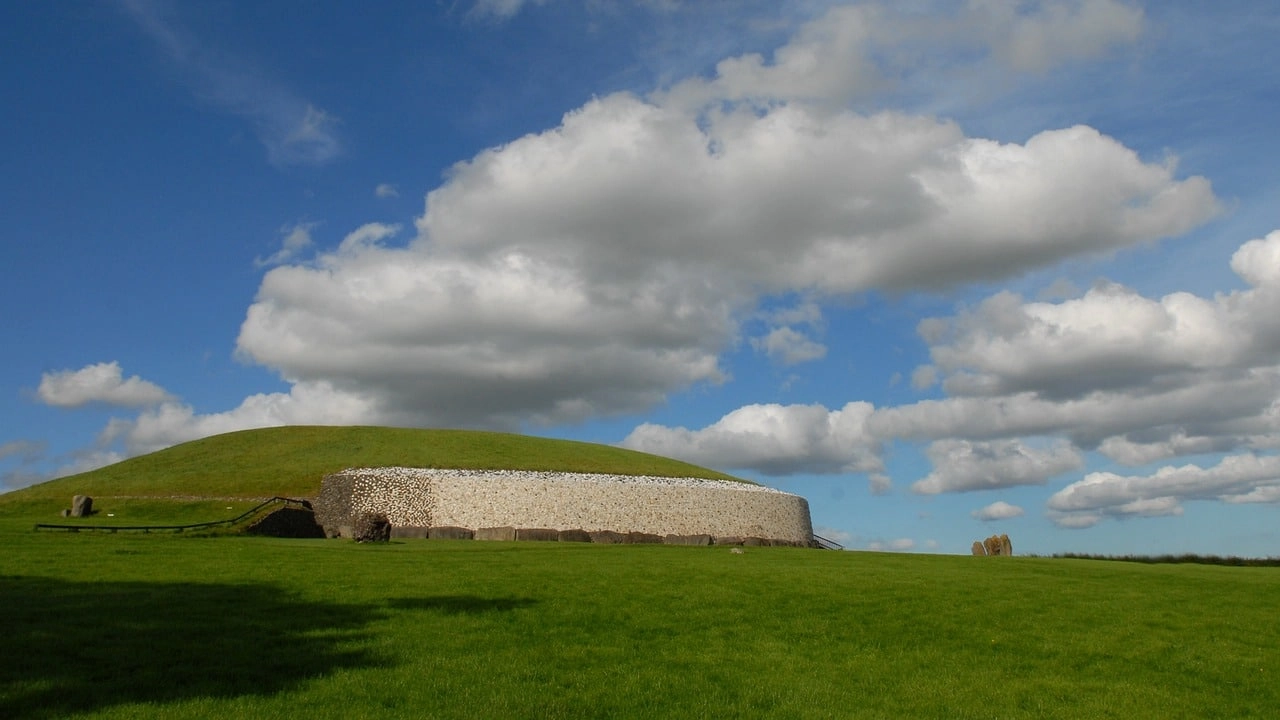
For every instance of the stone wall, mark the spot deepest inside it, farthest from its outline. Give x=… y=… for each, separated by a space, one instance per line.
x=422 y=498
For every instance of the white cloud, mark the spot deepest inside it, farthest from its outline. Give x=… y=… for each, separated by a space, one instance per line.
x=305 y=404
x=895 y=545
x=100 y=383
x=25 y=450
x=789 y=347
x=999 y=510
x=293 y=130
x=1237 y=478
x=386 y=190
x=596 y=267
x=924 y=376
x=853 y=50
x=501 y=9
x=1059 y=32
x=295 y=241
x=963 y=465
x=772 y=439
x=834 y=534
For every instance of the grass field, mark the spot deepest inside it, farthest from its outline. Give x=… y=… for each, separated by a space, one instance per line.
x=175 y=626
x=121 y=626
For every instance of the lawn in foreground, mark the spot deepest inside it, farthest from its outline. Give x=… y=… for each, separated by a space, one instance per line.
x=176 y=627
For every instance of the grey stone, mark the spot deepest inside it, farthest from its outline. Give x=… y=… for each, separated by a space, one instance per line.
x=726 y=540
x=451 y=532
x=755 y=542
x=505 y=534
x=606 y=537
x=540 y=534
x=418 y=533
x=687 y=540
x=642 y=538
x=575 y=536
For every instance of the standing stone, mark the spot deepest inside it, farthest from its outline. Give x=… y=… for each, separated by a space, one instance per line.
x=1006 y=547
x=992 y=544
x=978 y=549
x=81 y=506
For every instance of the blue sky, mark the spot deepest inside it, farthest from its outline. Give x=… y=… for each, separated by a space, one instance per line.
x=945 y=269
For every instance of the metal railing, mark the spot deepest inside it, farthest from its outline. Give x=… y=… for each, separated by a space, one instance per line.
x=826 y=544
x=287 y=502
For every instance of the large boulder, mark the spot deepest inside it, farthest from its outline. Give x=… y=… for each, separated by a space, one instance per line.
x=81 y=506
x=372 y=527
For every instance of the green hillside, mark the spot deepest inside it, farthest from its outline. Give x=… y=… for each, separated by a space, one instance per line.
x=291 y=461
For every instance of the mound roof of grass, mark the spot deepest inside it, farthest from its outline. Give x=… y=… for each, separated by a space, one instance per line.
x=291 y=461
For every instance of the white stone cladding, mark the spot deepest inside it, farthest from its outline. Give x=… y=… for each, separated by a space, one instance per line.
x=418 y=497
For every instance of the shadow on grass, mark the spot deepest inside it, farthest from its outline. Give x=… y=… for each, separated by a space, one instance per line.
x=72 y=647
x=76 y=646
x=460 y=604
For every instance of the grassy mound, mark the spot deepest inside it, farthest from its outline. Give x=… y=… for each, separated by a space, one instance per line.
x=291 y=461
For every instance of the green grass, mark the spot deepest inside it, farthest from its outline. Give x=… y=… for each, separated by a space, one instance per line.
x=291 y=461
x=118 y=626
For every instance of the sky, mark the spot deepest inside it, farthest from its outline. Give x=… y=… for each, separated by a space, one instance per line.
x=945 y=269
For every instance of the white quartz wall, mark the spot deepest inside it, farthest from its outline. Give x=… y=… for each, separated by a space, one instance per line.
x=415 y=497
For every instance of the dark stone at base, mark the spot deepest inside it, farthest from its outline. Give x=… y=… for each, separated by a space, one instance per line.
x=575 y=536
x=607 y=537
x=496 y=533
x=409 y=533
x=755 y=542
x=687 y=540
x=287 y=522
x=639 y=538
x=372 y=527
x=542 y=534
x=726 y=540
x=451 y=532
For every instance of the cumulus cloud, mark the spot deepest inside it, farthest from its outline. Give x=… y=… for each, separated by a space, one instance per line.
x=853 y=50
x=788 y=346
x=963 y=465
x=306 y=403
x=999 y=510
x=1032 y=386
x=386 y=190
x=772 y=439
x=293 y=130
x=101 y=383
x=1236 y=479
x=596 y=267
